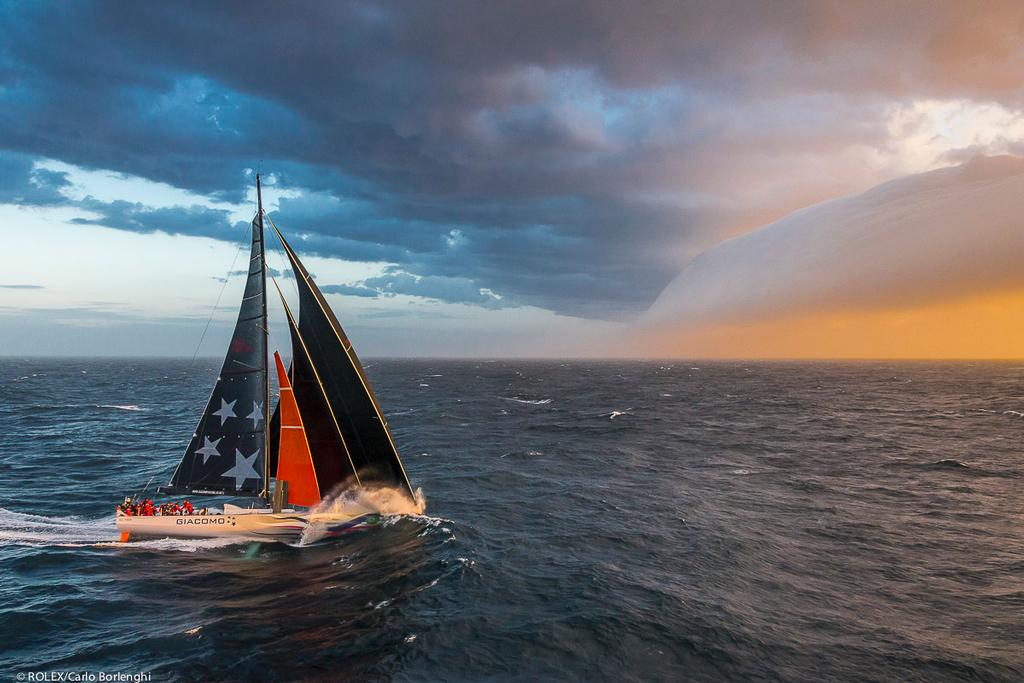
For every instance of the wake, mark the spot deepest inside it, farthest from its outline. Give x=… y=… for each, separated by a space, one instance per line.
x=18 y=528
x=38 y=531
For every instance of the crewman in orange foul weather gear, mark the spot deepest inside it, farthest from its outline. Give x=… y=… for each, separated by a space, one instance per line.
x=187 y=507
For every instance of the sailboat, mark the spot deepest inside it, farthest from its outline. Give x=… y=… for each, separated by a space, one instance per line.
x=327 y=433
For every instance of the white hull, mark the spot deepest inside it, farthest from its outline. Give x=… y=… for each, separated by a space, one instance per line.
x=257 y=525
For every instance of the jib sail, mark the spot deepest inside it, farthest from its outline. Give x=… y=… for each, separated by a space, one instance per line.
x=353 y=443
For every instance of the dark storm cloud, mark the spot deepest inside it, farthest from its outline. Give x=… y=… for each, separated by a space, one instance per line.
x=351 y=290
x=272 y=272
x=21 y=184
x=198 y=221
x=565 y=154
x=395 y=281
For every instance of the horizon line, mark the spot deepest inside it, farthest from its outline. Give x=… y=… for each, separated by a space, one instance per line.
x=704 y=359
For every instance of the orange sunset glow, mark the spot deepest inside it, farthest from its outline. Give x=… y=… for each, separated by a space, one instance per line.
x=989 y=326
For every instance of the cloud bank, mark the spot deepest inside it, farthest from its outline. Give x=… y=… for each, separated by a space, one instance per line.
x=939 y=236
x=569 y=155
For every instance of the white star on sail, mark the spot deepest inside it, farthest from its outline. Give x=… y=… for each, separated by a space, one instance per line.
x=226 y=410
x=209 y=448
x=256 y=415
x=243 y=468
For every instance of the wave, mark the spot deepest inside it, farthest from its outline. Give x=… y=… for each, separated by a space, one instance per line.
x=949 y=463
x=410 y=411
x=1018 y=413
x=532 y=402
x=67 y=406
x=528 y=453
x=952 y=465
x=617 y=413
x=431 y=525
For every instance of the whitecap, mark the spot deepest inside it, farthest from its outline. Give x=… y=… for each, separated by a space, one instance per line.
x=533 y=402
x=128 y=406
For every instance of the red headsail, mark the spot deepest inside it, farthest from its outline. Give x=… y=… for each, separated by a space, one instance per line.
x=294 y=461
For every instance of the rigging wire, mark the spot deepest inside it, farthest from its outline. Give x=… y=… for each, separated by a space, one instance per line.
x=213 y=311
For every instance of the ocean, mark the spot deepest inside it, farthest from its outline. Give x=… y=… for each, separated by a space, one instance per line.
x=585 y=521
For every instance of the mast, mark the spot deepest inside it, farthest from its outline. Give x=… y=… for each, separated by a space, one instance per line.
x=266 y=336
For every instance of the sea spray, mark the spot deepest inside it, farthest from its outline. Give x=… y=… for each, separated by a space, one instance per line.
x=380 y=499
x=353 y=502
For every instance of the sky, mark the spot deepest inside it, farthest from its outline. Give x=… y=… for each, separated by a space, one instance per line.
x=576 y=179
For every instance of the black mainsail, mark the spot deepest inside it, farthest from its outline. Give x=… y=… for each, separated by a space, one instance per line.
x=228 y=451
x=352 y=440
